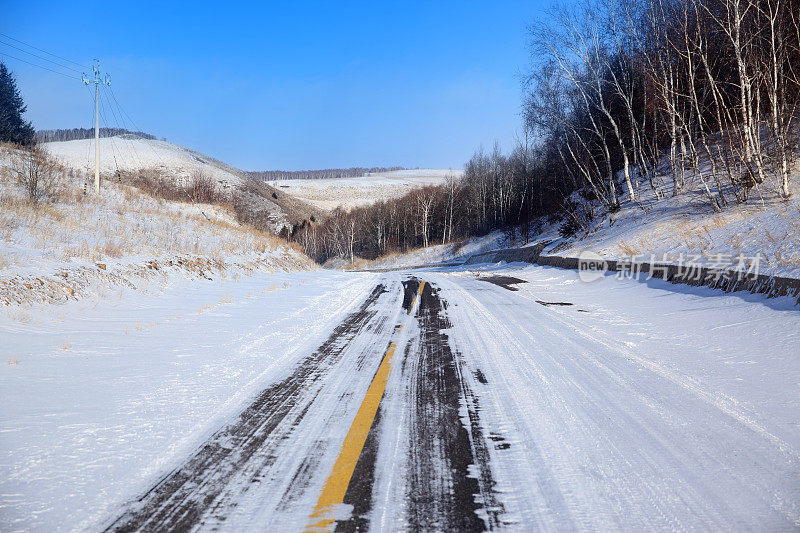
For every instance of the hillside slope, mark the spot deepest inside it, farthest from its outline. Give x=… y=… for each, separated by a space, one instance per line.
x=685 y=227
x=127 y=154
x=70 y=245
x=763 y=233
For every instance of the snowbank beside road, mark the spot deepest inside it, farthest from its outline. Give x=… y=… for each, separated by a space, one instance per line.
x=675 y=226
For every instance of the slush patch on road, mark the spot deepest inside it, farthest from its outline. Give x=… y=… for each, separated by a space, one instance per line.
x=500 y=441
x=507 y=282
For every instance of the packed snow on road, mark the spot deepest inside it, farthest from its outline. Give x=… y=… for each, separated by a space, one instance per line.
x=510 y=396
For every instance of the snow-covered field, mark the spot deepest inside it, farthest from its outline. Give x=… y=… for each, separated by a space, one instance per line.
x=347 y=193
x=612 y=405
x=102 y=396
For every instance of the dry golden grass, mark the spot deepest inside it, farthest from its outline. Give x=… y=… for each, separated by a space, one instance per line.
x=125 y=221
x=109 y=249
x=627 y=249
x=358 y=264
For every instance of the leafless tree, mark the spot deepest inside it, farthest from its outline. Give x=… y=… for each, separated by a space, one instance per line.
x=39 y=174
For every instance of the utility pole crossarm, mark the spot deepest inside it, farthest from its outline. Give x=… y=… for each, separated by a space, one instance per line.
x=97 y=81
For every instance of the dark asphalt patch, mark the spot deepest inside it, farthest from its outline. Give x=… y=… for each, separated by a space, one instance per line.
x=410 y=288
x=444 y=492
x=481 y=377
x=547 y=304
x=180 y=500
x=500 y=440
x=359 y=491
x=507 y=282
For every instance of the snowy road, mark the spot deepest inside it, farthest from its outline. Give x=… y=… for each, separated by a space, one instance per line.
x=503 y=398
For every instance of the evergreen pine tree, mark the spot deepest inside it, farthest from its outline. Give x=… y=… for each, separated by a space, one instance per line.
x=13 y=128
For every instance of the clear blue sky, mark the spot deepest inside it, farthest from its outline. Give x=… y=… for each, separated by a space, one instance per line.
x=290 y=85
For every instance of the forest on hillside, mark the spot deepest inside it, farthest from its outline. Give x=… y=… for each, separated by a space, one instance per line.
x=621 y=96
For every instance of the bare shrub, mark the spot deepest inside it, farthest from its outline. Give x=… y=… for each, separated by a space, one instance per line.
x=110 y=249
x=152 y=181
x=156 y=183
x=38 y=173
x=201 y=188
x=577 y=217
x=247 y=212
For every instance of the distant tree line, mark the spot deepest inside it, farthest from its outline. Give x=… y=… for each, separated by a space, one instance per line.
x=74 y=134
x=277 y=175
x=495 y=192
x=622 y=95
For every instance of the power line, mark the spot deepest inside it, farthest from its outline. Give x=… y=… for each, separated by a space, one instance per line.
x=155 y=152
x=120 y=124
x=133 y=124
x=40 y=57
x=89 y=145
x=123 y=110
x=40 y=66
x=44 y=51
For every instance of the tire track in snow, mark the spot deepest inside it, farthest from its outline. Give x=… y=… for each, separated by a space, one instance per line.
x=610 y=442
x=180 y=500
x=360 y=491
x=450 y=482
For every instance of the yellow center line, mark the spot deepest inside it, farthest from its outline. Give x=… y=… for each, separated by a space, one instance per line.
x=419 y=291
x=336 y=486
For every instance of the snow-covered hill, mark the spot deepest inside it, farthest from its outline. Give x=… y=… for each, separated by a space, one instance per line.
x=127 y=153
x=70 y=245
x=329 y=194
